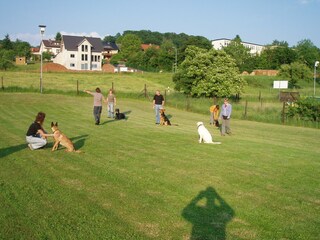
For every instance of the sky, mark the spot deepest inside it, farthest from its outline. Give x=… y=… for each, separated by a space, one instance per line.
x=255 y=21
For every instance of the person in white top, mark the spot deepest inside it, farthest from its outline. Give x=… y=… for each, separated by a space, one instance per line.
x=225 y=115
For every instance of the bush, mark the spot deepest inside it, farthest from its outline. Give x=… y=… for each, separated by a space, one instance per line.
x=307 y=109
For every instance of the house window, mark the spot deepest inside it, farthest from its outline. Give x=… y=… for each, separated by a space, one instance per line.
x=84 y=66
x=71 y=55
x=84 y=57
x=94 y=66
x=72 y=65
x=84 y=48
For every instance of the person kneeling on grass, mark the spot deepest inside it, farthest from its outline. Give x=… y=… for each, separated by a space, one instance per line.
x=36 y=136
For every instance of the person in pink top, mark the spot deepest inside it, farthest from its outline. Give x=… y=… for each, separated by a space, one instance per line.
x=97 y=104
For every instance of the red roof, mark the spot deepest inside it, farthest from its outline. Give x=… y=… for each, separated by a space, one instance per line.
x=146 y=46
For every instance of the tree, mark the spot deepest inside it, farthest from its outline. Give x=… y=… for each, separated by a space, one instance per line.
x=295 y=72
x=130 y=45
x=6 y=59
x=22 y=48
x=58 y=36
x=46 y=56
x=112 y=39
x=238 y=52
x=307 y=52
x=208 y=73
x=276 y=54
x=6 y=43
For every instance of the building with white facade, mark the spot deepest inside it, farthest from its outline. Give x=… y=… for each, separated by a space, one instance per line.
x=80 y=53
x=218 y=44
x=50 y=46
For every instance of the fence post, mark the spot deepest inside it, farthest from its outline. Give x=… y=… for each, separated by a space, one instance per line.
x=283 y=112
x=112 y=87
x=2 y=83
x=259 y=95
x=145 y=90
x=245 y=110
x=188 y=103
x=77 y=87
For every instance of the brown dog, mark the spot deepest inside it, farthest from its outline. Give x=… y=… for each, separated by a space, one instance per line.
x=164 y=120
x=59 y=137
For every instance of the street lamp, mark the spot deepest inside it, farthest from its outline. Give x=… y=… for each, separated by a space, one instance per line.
x=42 y=29
x=314 y=77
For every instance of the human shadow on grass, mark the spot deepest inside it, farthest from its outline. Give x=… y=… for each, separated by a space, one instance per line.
x=209 y=214
x=12 y=149
x=78 y=143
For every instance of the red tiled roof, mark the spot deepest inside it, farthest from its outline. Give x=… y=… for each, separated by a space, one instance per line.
x=146 y=46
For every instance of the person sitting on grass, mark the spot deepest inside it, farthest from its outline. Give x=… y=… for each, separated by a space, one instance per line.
x=36 y=136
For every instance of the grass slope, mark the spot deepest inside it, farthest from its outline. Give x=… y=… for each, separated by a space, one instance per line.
x=136 y=180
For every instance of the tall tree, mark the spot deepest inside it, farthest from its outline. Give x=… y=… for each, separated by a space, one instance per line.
x=6 y=43
x=295 y=72
x=130 y=44
x=307 y=52
x=238 y=52
x=208 y=73
x=22 y=48
x=58 y=36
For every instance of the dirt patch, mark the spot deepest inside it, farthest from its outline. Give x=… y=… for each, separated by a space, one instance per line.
x=54 y=67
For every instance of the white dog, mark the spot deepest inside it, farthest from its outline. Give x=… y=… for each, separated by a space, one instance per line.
x=204 y=134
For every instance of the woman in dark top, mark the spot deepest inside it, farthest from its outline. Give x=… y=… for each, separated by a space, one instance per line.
x=36 y=136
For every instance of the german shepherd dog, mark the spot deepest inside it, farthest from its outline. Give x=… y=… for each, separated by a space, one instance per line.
x=119 y=115
x=164 y=120
x=62 y=139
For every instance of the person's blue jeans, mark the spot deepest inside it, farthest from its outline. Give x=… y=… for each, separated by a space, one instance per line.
x=157 y=110
x=97 y=113
x=110 y=109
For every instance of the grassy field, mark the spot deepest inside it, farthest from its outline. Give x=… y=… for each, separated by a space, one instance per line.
x=136 y=180
x=259 y=102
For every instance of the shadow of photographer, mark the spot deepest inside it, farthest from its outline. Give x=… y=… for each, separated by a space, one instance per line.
x=209 y=214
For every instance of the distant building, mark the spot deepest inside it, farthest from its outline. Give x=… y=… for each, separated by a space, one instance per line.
x=218 y=44
x=21 y=61
x=109 y=49
x=50 y=46
x=147 y=46
x=80 y=53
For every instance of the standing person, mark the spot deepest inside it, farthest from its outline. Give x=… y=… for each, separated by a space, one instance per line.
x=36 y=136
x=225 y=115
x=214 y=115
x=97 y=104
x=111 y=102
x=158 y=103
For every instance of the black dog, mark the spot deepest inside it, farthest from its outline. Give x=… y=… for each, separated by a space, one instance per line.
x=119 y=115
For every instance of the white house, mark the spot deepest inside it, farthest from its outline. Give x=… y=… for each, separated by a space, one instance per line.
x=50 y=46
x=223 y=42
x=80 y=53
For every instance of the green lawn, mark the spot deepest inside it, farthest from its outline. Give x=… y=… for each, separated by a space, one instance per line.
x=136 y=180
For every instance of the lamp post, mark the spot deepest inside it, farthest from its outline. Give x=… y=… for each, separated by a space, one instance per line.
x=42 y=29
x=314 y=77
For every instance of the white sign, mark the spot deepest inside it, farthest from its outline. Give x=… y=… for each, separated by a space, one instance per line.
x=280 y=84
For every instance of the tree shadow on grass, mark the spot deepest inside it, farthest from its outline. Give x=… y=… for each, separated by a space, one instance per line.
x=77 y=141
x=209 y=214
